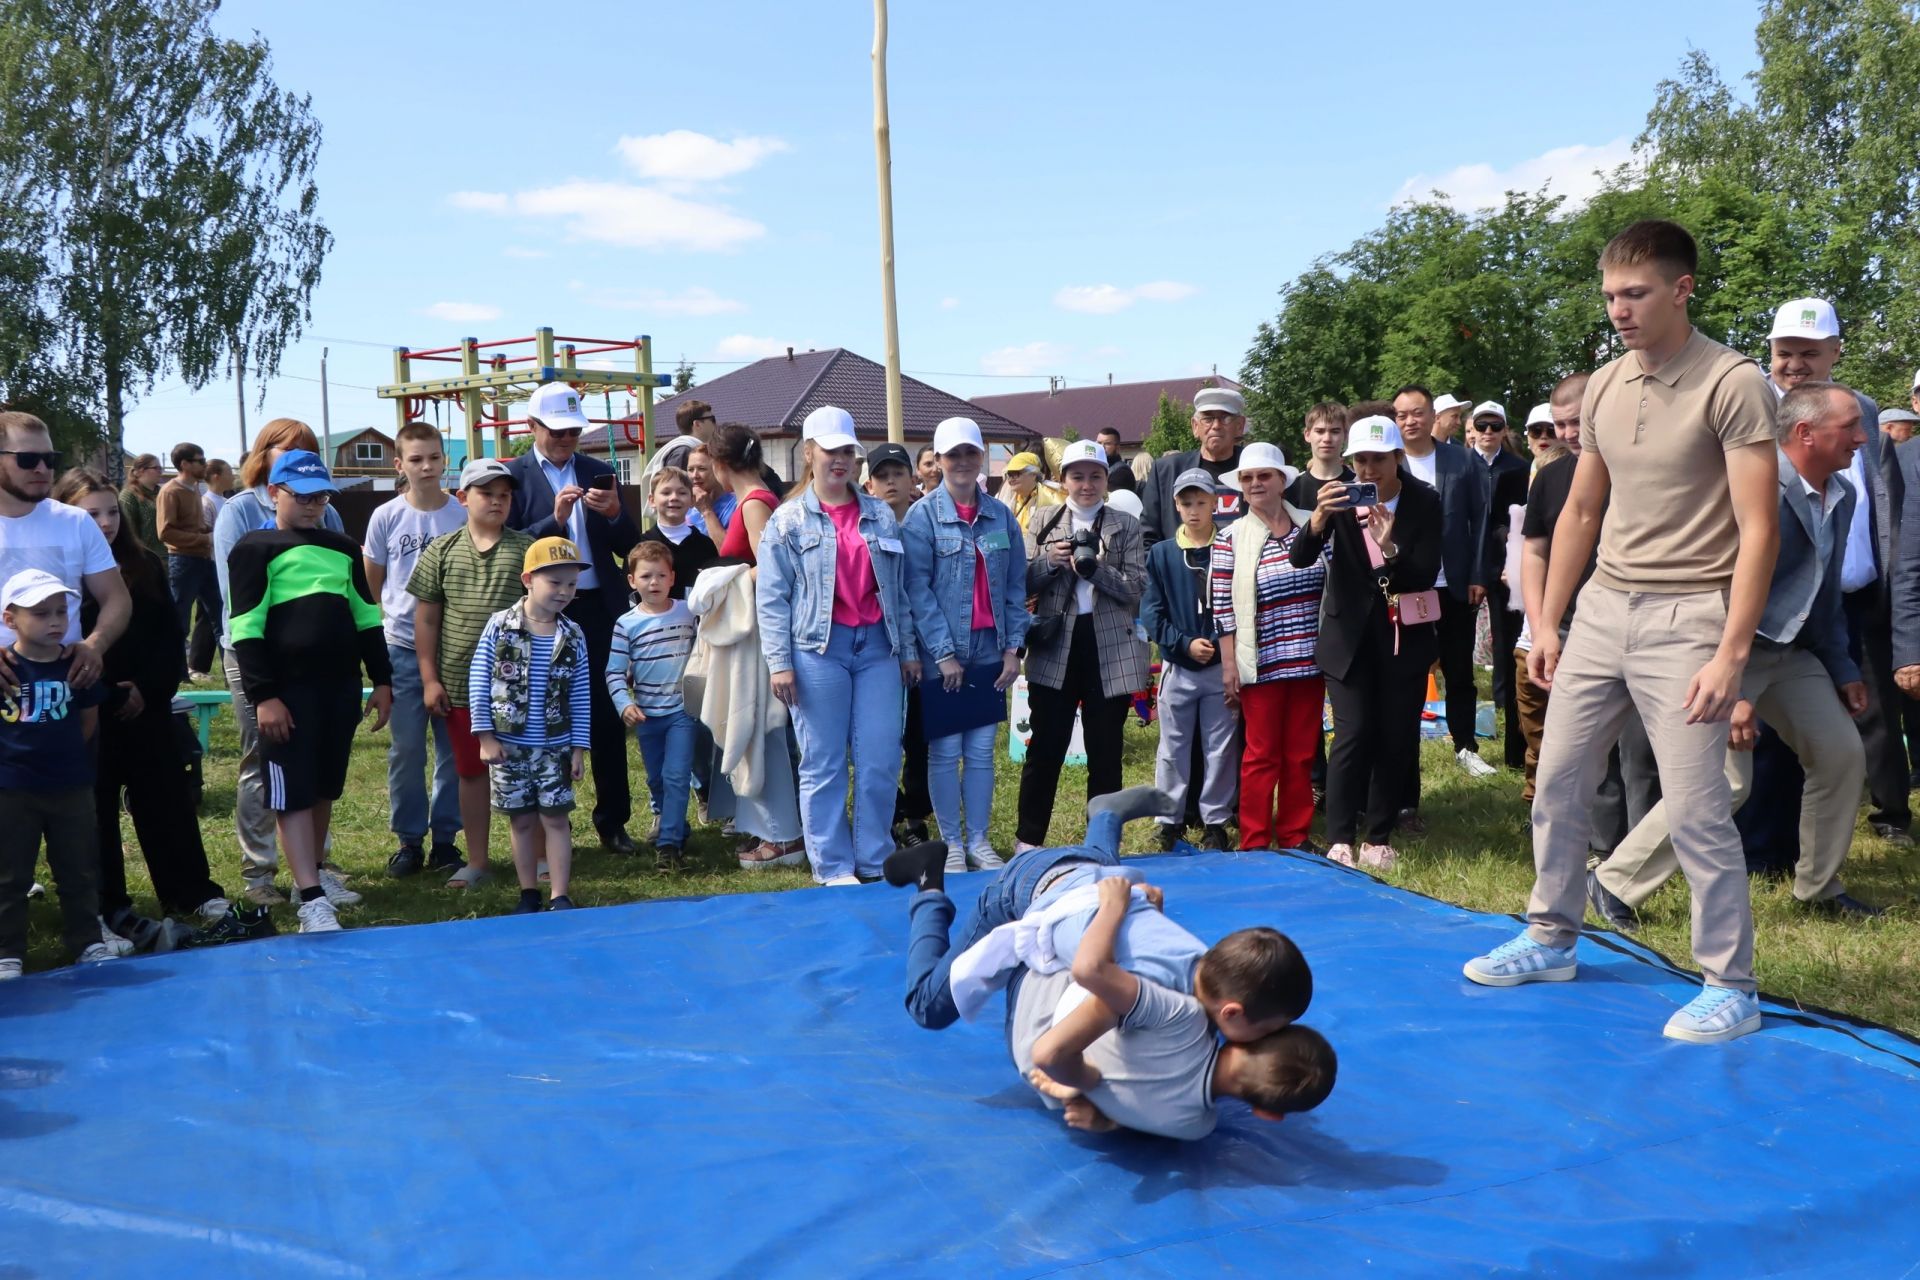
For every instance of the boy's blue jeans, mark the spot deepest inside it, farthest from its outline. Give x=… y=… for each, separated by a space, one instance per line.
x=1004 y=900
x=409 y=727
x=666 y=748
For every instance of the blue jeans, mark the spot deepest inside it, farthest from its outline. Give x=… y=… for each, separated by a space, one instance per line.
x=407 y=759
x=944 y=755
x=666 y=748
x=1004 y=900
x=191 y=579
x=848 y=720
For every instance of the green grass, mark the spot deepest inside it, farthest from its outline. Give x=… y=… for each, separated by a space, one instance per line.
x=1477 y=854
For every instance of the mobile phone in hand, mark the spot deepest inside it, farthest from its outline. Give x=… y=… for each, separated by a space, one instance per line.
x=601 y=481
x=1363 y=494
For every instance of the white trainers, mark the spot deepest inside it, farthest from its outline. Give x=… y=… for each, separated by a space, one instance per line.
x=956 y=859
x=113 y=942
x=336 y=889
x=319 y=916
x=1476 y=767
x=832 y=882
x=214 y=910
x=11 y=969
x=981 y=857
x=97 y=952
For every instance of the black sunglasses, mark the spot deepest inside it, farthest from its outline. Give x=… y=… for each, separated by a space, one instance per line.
x=1539 y=433
x=1489 y=426
x=565 y=433
x=32 y=459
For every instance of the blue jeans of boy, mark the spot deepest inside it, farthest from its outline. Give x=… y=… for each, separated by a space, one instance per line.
x=848 y=721
x=1005 y=899
x=666 y=748
x=944 y=756
x=412 y=816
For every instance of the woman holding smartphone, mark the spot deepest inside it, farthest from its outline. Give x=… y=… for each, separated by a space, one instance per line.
x=967 y=582
x=1266 y=608
x=1381 y=533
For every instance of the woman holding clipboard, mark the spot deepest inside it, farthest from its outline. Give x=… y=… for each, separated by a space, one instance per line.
x=966 y=579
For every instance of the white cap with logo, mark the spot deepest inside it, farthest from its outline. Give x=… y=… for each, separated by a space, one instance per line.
x=1082 y=451
x=1540 y=413
x=1446 y=402
x=557 y=405
x=953 y=432
x=30 y=587
x=1805 y=318
x=1486 y=408
x=830 y=427
x=1377 y=434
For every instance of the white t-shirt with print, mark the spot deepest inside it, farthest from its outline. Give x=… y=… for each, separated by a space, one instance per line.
x=396 y=532
x=62 y=540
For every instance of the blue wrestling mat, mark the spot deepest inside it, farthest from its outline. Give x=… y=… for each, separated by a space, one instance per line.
x=730 y=1086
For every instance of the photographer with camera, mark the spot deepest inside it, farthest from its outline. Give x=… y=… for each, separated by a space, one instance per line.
x=1086 y=568
x=1382 y=535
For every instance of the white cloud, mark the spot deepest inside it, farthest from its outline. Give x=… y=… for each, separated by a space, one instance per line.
x=1032 y=358
x=620 y=213
x=685 y=156
x=518 y=251
x=1105 y=299
x=462 y=312
x=696 y=300
x=744 y=346
x=1574 y=172
x=948 y=304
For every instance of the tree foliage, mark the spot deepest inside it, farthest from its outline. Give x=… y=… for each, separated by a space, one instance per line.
x=170 y=181
x=683 y=376
x=1807 y=187
x=1172 y=427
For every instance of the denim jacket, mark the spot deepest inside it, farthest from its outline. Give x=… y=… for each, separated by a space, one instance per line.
x=797 y=551
x=940 y=559
x=512 y=668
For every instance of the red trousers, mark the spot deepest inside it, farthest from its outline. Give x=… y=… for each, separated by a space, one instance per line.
x=1282 y=719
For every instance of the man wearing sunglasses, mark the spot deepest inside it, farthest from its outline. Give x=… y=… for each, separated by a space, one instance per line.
x=59 y=539
x=560 y=492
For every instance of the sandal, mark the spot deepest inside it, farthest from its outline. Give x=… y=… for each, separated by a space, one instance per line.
x=468 y=877
x=787 y=853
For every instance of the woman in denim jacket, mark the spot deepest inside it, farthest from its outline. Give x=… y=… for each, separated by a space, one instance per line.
x=967 y=582
x=839 y=643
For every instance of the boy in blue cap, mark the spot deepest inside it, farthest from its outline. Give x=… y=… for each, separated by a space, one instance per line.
x=303 y=622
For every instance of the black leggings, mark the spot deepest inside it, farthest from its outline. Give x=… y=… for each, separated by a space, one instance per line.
x=1103 y=720
x=143 y=756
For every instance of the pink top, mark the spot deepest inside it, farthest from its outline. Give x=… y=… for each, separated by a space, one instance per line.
x=856 y=593
x=982 y=593
x=736 y=545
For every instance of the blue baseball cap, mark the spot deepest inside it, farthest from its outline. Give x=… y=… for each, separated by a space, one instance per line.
x=302 y=471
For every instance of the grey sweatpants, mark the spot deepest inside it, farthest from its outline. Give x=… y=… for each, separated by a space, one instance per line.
x=1193 y=705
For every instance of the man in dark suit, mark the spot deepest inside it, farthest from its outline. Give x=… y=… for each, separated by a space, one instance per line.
x=559 y=492
x=1219 y=422
x=1507 y=483
x=1466 y=491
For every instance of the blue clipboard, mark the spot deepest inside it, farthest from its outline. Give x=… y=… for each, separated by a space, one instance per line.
x=975 y=703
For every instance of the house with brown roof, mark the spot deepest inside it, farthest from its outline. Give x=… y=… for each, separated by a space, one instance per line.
x=775 y=395
x=1127 y=407
x=368 y=452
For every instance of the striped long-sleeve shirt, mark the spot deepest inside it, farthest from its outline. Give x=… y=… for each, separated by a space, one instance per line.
x=1287 y=622
x=480 y=694
x=648 y=658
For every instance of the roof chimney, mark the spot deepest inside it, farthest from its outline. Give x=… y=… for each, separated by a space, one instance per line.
x=789 y=355
x=1109 y=379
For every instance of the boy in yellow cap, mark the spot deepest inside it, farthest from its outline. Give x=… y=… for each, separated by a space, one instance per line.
x=527 y=698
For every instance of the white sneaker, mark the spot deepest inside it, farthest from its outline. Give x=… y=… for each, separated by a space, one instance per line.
x=95 y=953
x=11 y=969
x=215 y=909
x=336 y=889
x=982 y=858
x=113 y=942
x=835 y=881
x=319 y=916
x=956 y=859
x=1476 y=767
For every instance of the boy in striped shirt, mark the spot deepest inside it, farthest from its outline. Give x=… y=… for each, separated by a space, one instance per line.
x=527 y=700
x=651 y=644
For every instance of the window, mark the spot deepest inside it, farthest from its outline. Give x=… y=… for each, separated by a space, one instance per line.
x=369 y=451
x=626 y=471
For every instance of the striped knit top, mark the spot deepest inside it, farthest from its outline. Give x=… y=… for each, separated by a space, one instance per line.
x=1287 y=624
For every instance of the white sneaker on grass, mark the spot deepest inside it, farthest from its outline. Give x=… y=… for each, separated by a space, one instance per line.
x=214 y=910
x=319 y=916
x=834 y=882
x=11 y=969
x=95 y=953
x=1716 y=1014
x=1476 y=767
x=336 y=889
x=981 y=857
x=114 y=942
x=1522 y=960
x=956 y=859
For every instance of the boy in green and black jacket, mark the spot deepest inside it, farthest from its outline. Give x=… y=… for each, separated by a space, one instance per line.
x=303 y=622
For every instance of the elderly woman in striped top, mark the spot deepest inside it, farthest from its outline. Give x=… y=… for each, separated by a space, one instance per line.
x=1267 y=612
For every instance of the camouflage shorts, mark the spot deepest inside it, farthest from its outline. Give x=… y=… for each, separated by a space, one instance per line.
x=533 y=779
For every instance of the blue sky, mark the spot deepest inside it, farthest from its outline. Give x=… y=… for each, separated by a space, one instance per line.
x=1079 y=189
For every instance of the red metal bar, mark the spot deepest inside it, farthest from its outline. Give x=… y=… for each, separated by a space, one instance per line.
x=418 y=355
x=592 y=351
x=432 y=351
x=618 y=345
x=504 y=342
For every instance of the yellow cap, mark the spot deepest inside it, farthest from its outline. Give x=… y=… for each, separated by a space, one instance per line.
x=550 y=553
x=1023 y=462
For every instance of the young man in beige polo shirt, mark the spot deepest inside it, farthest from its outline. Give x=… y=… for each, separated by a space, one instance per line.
x=1679 y=433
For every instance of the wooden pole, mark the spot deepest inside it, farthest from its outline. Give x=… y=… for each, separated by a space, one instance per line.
x=883 y=149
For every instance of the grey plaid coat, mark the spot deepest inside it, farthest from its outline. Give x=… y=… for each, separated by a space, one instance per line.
x=1117 y=588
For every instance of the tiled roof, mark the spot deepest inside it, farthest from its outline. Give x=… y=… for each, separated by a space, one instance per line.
x=775 y=395
x=1126 y=406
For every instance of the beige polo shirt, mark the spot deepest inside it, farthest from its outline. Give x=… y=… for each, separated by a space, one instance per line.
x=1664 y=437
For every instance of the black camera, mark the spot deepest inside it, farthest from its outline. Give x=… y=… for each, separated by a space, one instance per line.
x=1086 y=552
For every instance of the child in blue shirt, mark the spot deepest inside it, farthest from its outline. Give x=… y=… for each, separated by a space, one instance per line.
x=651 y=644
x=527 y=701
x=46 y=773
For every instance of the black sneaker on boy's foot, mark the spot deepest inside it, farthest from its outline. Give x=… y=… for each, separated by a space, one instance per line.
x=561 y=903
x=528 y=904
x=924 y=865
x=1170 y=833
x=667 y=857
x=445 y=856
x=406 y=861
x=238 y=925
x=1215 y=838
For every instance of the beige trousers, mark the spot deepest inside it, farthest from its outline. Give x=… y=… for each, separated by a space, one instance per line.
x=1791 y=691
x=1639 y=650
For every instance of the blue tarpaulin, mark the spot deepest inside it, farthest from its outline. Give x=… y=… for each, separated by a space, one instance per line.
x=731 y=1086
